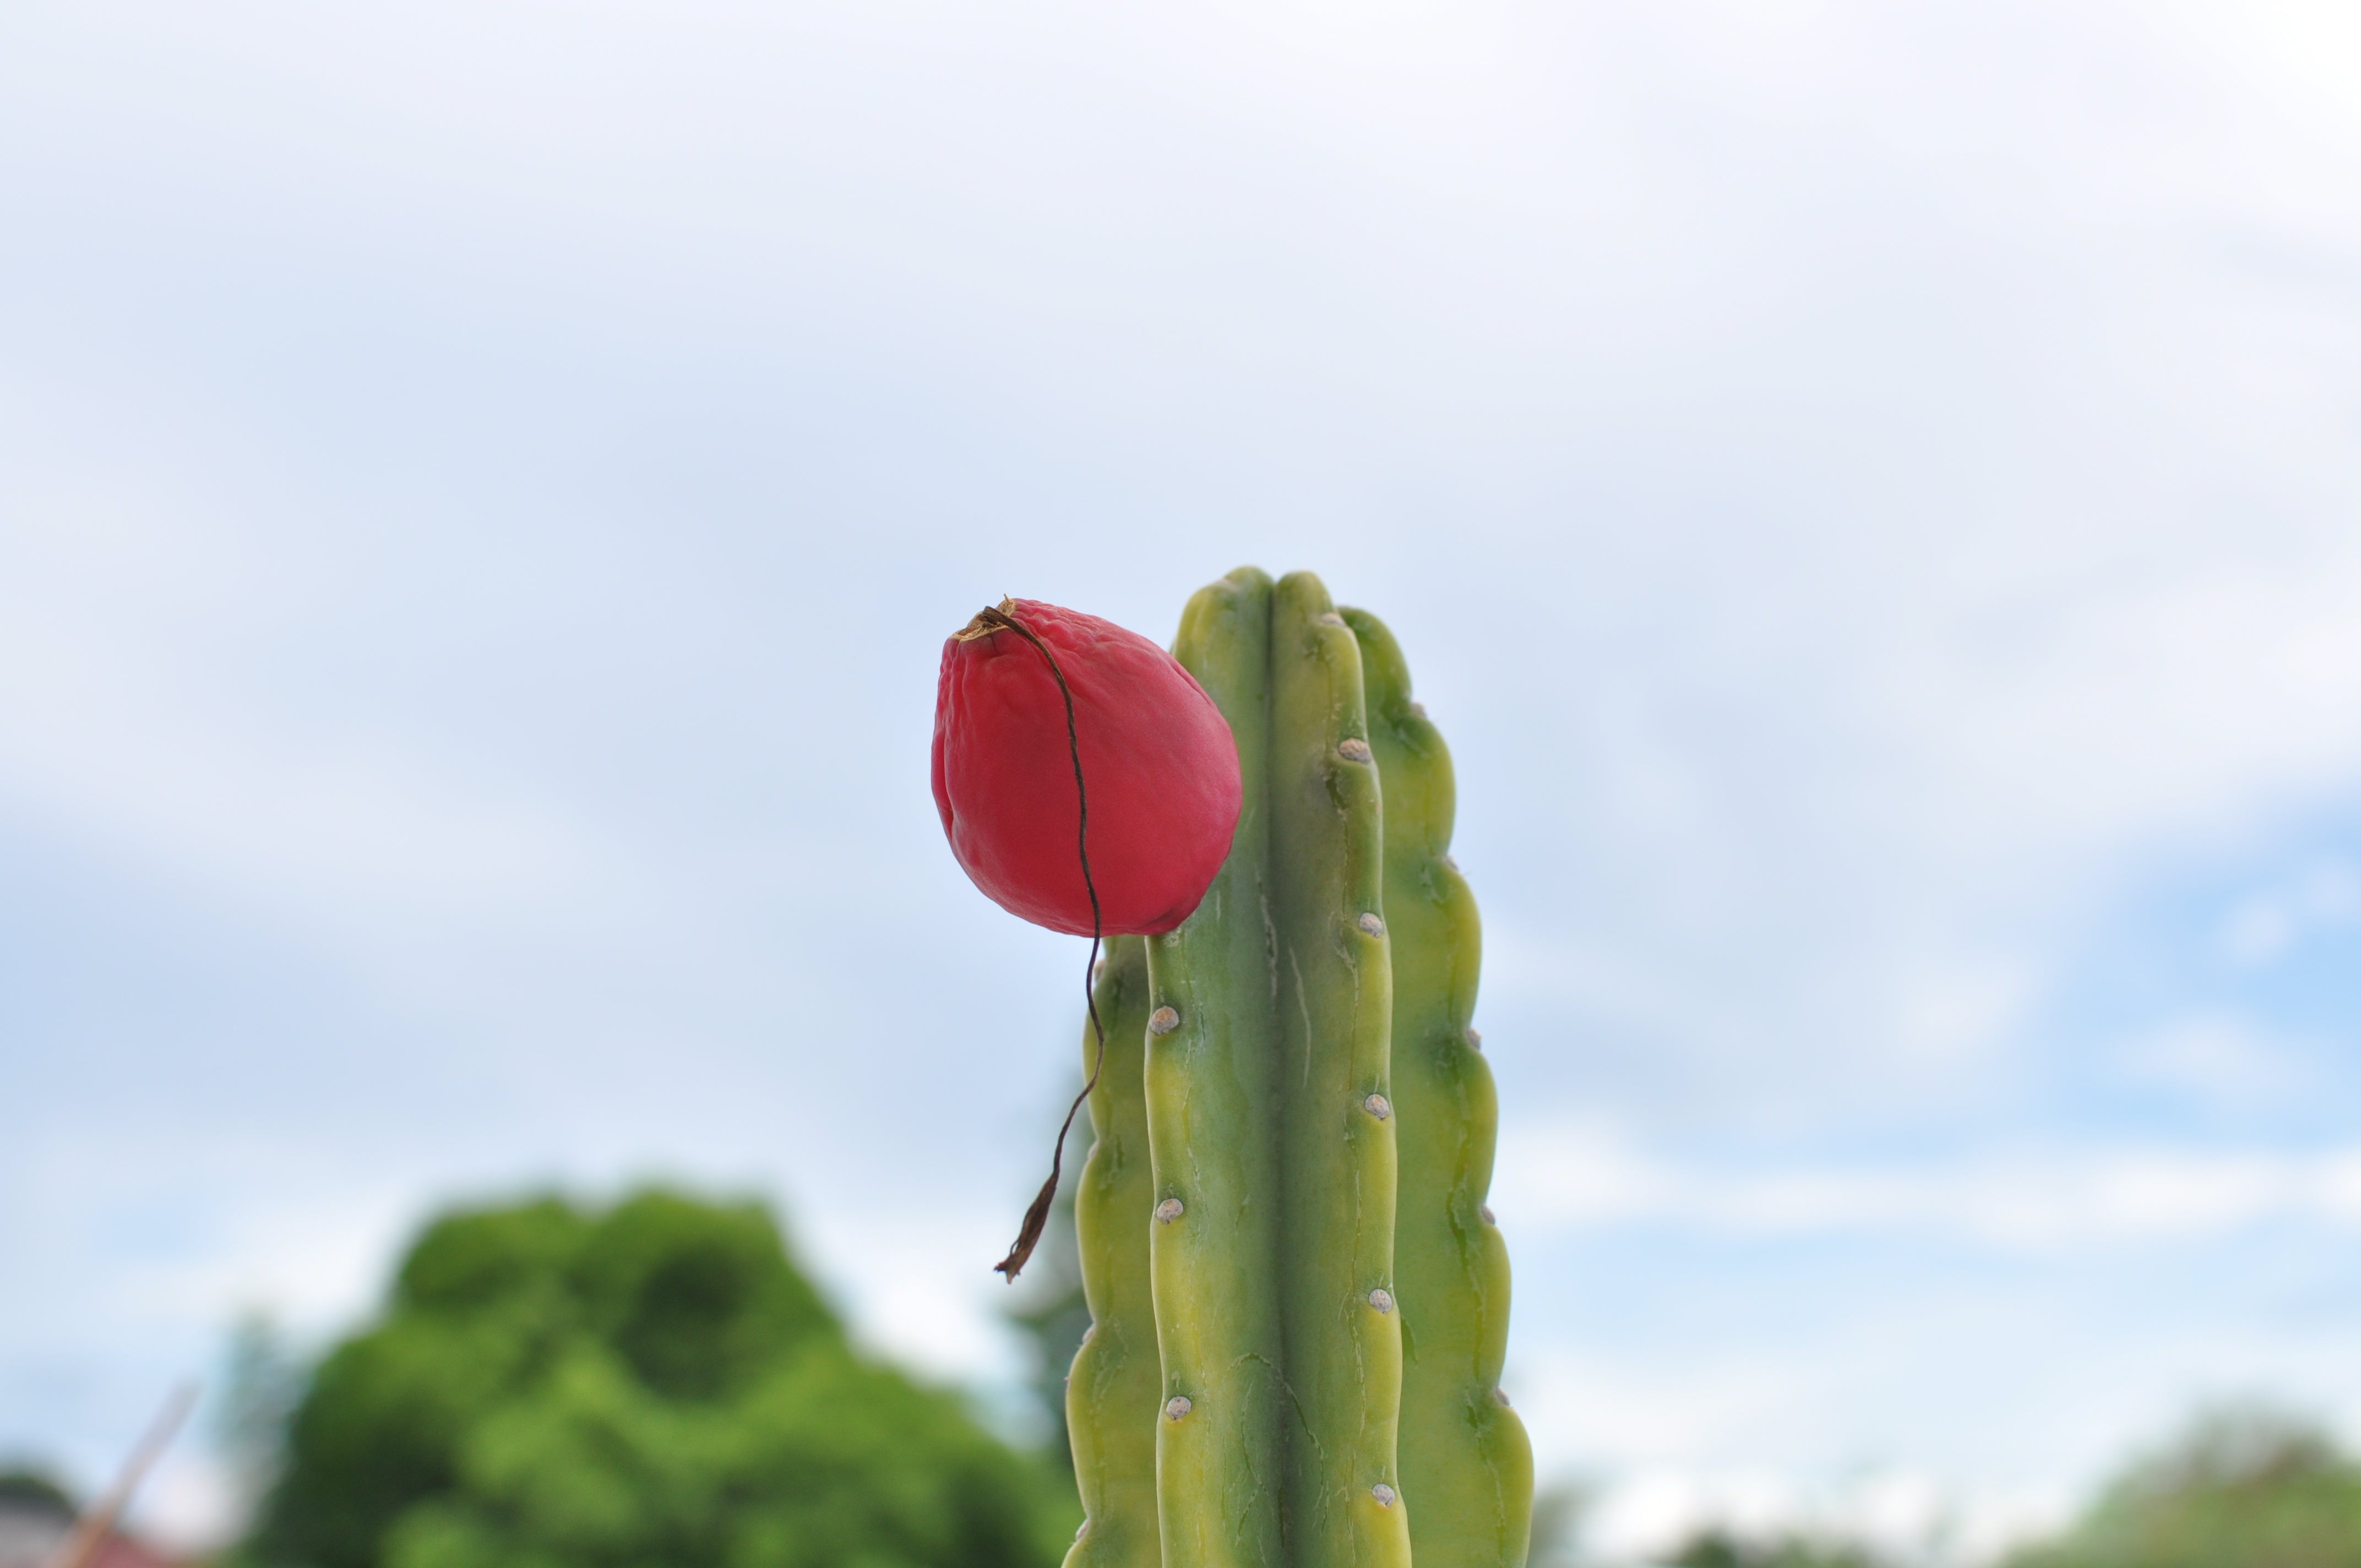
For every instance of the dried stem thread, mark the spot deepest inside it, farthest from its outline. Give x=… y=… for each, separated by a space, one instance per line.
x=1037 y=1218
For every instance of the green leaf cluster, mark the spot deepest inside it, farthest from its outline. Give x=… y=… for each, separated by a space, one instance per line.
x=1719 y=1548
x=654 y=1386
x=2241 y=1488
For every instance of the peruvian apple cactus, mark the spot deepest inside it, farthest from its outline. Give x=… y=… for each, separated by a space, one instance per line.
x=1299 y=1298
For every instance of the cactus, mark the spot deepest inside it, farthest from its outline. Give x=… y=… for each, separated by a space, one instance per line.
x=1306 y=1246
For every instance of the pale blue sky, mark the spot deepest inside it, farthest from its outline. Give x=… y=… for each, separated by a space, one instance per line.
x=1867 y=489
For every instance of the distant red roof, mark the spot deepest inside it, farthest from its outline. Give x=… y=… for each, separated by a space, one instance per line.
x=129 y=1551
x=31 y=1538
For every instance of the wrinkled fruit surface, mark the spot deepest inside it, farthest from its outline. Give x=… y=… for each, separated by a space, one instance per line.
x=1156 y=755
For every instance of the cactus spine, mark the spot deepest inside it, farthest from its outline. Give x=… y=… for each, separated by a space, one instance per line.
x=1265 y=1227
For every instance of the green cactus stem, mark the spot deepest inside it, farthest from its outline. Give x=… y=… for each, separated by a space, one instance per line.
x=1270 y=1120
x=1111 y=1395
x=1212 y=1123
x=1317 y=1123
x=1464 y=1458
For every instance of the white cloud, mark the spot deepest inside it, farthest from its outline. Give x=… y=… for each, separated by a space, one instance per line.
x=158 y=701
x=2265 y=923
x=2222 y=1057
x=1573 y=1178
x=1906 y=1515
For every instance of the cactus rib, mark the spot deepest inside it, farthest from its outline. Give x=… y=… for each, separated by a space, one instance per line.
x=1111 y=1394
x=1212 y=1124
x=1343 y=1339
x=1465 y=1457
x=1269 y=1119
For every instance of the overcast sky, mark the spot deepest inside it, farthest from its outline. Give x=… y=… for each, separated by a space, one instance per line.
x=1868 y=490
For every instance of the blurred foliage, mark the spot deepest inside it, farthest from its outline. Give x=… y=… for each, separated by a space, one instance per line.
x=1718 y=1549
x=2242 y=1487
x=652 y=1385
x=27 y=1488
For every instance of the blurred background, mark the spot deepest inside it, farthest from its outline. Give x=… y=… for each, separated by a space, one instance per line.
x=1868 y=490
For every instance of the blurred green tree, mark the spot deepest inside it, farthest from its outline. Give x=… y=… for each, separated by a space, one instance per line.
x=28 y=1488
x=2241 y=1488
x=1719 y=1548
x=552 y=1387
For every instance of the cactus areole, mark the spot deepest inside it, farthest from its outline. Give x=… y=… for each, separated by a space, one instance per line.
x=1161 y=771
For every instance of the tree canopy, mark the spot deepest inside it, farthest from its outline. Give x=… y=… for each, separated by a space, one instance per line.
x=655 y=1386
x=2241 y=1488
x=1719 y=1548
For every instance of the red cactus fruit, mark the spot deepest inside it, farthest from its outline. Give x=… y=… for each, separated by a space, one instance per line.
x=1157 y=759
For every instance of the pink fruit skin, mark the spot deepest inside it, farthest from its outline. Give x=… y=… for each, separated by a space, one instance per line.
x=1156 y=754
